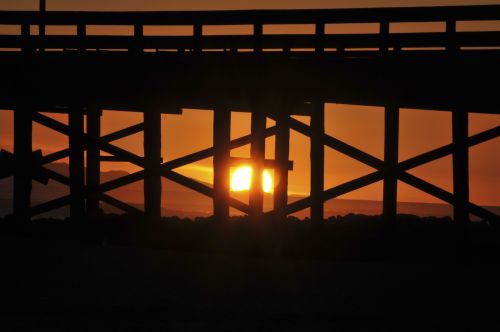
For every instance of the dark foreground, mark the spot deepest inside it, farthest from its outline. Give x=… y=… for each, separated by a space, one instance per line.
x=354 y=276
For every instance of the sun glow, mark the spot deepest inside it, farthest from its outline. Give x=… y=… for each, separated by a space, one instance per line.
x=242 y=178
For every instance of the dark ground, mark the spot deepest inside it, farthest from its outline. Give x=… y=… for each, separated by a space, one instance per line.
x=58 y=275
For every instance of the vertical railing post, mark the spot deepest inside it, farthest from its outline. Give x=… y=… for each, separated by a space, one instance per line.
x=197 y=34
x=317 y=162
x=221 y=137
x=41 y=27
x=257 y=154
x=320 y=37
x=81 y=31
x=384 y=35
x=25 y=36
x=282 y=151
x=76 y=163
x=460 y=165
x=451 y=28
x=258 y=32
x=22 y=163
x=152 y=161
x=93 y=162
x=138 y=34
x=391 y=146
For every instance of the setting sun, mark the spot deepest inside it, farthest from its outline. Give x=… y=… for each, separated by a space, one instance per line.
x=242 y=178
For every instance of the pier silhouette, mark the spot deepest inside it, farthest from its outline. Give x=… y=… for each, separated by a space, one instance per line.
x=271 y=76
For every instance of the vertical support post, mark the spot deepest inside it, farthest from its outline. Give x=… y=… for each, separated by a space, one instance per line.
x=317 y=162
x=76 y=164
x=22 y=164
x=391 y=146
x=222 y=137
x=257 y=154
x=93 y=162
x=460 y=123
x=152 y=160
x=282 y=150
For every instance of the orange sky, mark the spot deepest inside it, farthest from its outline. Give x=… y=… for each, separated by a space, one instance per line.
x=360 y=126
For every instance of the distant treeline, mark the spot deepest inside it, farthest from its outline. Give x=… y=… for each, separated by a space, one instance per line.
x=352 y=237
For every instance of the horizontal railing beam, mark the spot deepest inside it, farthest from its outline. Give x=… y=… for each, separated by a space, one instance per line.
x=344 y=41
x=355 y=15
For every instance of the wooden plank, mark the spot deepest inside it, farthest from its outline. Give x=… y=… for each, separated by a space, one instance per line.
x=317 y=162
x=391 y=146
x=22 y=164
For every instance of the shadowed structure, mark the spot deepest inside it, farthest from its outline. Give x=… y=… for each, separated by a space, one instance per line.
x=269 y=75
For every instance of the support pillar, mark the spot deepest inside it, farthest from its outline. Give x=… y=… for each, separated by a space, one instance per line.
x=282 y=150
x=391 y=146
x=152 y=160
x=93 y=162
x=222 y=137
x=317 y=162
x=257 y=154
x=460 y=124
x=22 y=164
x=76 y=164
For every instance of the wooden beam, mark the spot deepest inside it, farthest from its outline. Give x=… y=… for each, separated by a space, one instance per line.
x=22 y=163
x=221 y=139
x=268 y=163
x=76 y=163
x=445 y=150
x=122 y=133
x=93 y=163
x=460 y=125
x=121 y=181
x=152 y=162
x=50 y=205
x=119 y=204
x=338 y=145
x=317 y=162
x=55 y=156
x=230 y=17
x=391 y=146
x=206 y=153
x=201 y=188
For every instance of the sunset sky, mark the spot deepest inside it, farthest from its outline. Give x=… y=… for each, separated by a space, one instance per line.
x=361 y=126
